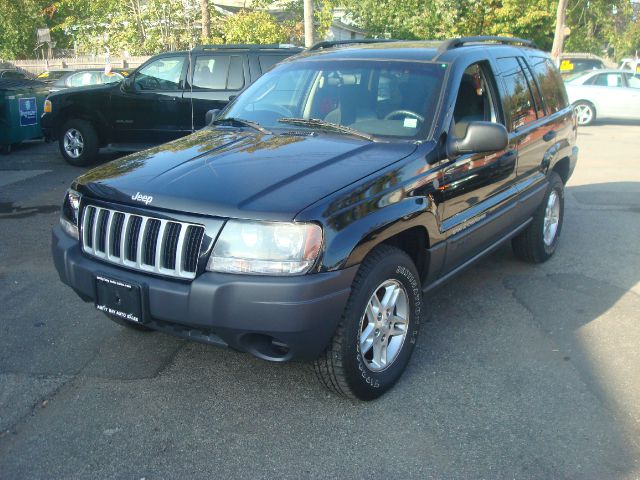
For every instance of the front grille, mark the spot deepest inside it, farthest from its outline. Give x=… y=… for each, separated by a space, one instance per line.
x=142 y=243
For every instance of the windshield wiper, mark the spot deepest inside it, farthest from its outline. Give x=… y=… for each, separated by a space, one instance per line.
x=317 y=123
x=239 y=122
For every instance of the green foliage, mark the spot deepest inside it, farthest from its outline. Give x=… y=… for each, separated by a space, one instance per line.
x=151 y=26
x=254 y=27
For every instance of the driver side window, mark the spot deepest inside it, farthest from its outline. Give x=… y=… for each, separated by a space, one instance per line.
x=161 y=74
x=475 y=101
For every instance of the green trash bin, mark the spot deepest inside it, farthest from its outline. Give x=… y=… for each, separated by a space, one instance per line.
x=21 y=104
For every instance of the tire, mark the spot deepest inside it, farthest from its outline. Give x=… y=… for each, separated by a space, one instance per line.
x=585 y=112
x=132 y=325
x=5 y=149
x=81 y=134
x=346 y=367
x=532 y=245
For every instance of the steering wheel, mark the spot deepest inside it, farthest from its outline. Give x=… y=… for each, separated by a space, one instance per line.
x=397 y=113
x=152 y=83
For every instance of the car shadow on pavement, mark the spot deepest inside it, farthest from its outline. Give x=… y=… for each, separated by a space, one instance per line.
x=549 y=353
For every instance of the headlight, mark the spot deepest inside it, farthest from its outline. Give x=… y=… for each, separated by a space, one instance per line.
x=71 y=213
x=263 y=248
x=47 y=106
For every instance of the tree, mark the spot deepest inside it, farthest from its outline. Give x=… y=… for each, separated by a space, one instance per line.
x=558 y=38
x=206 y=20
x=254 y=27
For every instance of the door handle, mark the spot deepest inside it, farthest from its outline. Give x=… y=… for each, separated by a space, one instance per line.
x=547 y=137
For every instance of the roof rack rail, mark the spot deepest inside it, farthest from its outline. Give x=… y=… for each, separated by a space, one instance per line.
x=460 y=42
x=240 y=46
x=335 y=43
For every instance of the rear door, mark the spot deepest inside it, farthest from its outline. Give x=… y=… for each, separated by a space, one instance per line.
x=214 y=78
x=150 y=109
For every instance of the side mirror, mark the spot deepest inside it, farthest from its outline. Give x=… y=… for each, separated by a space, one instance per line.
x=481 y=137
x=127 y=84
x=211 y=116
x=232 y=97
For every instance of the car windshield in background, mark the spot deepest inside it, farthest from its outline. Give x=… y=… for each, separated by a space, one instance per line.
x=381 y=98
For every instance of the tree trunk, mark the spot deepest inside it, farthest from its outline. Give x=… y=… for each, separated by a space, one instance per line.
x=206 y=21
x=308 y=23
x=558 y=38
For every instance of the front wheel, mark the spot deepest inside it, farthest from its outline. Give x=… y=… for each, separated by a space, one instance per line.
x=379 y=327
x=585 y=112
x=78 y=142
x=539 y=241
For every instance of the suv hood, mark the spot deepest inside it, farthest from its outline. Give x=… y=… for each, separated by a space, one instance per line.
x=232 y=173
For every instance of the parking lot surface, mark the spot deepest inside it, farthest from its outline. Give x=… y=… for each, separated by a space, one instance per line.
x=522 y=372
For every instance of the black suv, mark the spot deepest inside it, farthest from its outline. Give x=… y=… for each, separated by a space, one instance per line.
x=312 y=216
x=164 y=99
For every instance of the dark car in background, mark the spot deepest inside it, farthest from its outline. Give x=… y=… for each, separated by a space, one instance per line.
x=13 y=74
x=165 y=98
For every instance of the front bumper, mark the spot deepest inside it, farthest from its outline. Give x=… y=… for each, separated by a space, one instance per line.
x=273 y=318
x=47 y=123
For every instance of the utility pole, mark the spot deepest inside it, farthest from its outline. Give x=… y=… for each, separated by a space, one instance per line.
x=561 y=30
x=206 y=20
x=308 y=23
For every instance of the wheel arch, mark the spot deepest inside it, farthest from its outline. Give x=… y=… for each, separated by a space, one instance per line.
x=72 y=112
x=411 y=235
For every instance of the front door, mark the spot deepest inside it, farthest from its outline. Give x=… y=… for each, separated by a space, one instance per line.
x=149 y=108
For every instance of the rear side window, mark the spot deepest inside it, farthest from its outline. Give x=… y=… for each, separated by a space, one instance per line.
x=268 y=61
x=550 y=82
x=218 y=72
x=518 y=101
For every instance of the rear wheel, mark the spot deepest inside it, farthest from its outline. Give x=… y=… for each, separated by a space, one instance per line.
x=78 y=142
x=585 y=112
x=539 y=241
x=379 y=327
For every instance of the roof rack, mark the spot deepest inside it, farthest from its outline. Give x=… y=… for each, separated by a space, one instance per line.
x=462 y=41
x=335 y=43
x=239 y=46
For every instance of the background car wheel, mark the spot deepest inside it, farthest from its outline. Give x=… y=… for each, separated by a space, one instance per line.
x=132 y=325
x=78 y=142
x=379 y=327
x=539 y=241
x=585 y=112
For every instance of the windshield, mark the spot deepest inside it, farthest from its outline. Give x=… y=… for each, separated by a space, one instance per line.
x=382 y=98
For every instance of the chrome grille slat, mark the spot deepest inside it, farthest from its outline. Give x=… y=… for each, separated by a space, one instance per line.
x=130 y=240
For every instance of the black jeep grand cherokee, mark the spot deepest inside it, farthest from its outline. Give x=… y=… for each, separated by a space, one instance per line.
x=313 y=214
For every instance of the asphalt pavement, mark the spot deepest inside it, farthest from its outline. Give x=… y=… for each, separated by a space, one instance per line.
x=522 y=372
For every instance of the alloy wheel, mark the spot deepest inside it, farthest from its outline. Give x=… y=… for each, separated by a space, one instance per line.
x=73 y=143
x=384 y=325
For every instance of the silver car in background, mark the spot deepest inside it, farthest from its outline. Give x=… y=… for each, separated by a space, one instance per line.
x=604 y=94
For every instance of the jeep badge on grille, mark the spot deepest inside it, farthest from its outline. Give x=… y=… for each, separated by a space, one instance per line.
x=146 y=199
